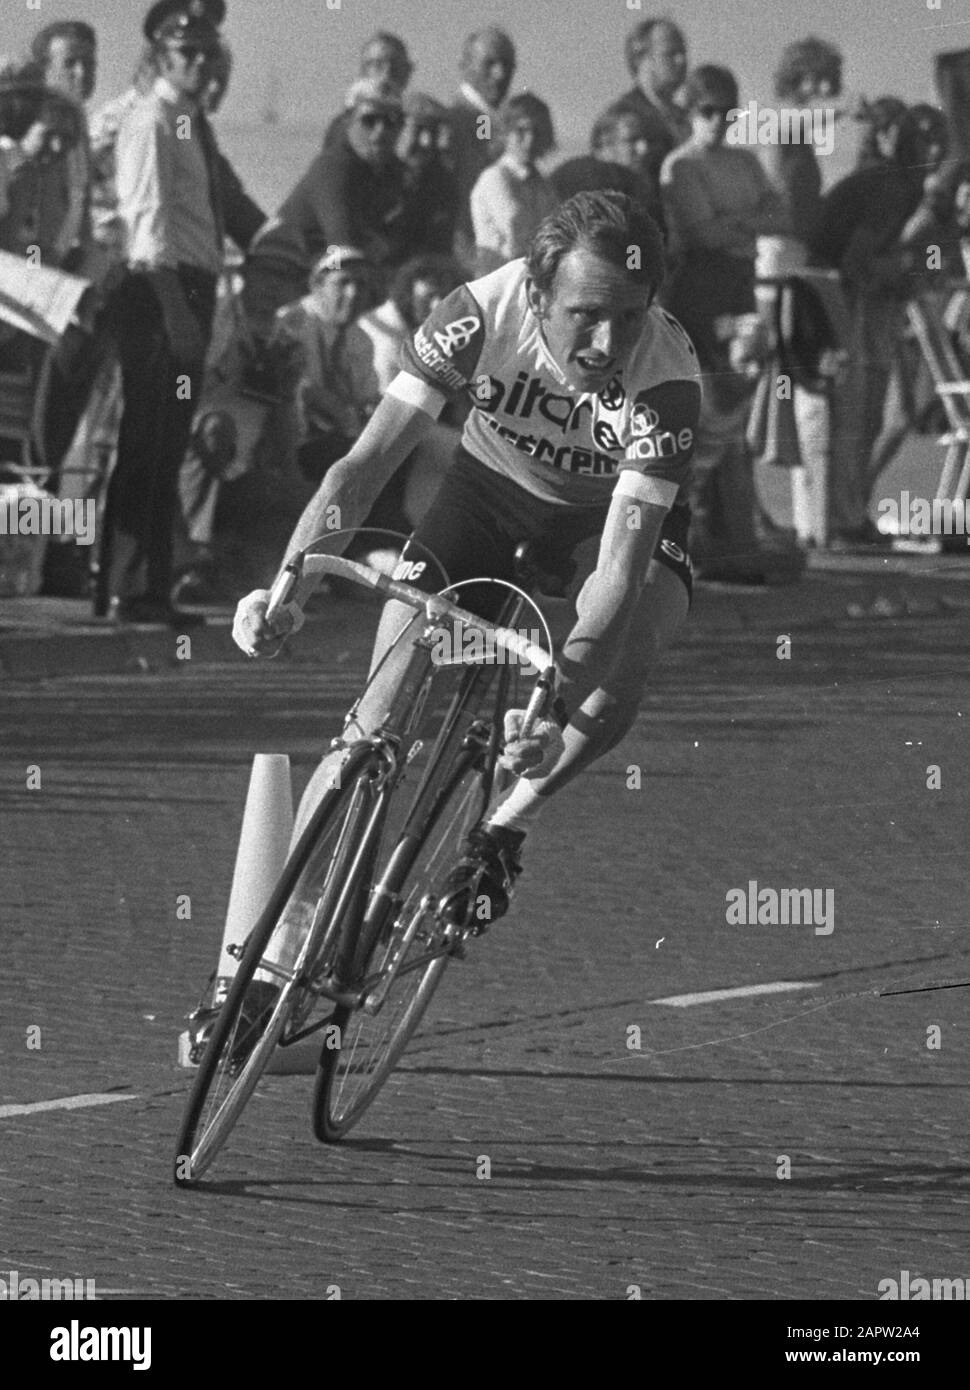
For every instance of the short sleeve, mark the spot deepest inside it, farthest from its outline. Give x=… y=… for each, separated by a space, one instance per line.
x=446 y=349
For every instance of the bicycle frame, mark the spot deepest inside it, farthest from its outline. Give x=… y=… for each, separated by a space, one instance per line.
x=401 y=721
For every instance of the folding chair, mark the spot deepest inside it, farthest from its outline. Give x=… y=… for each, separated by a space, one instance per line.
x=953 y=388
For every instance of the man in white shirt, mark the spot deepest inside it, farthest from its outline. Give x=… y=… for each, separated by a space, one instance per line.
x=162 y=311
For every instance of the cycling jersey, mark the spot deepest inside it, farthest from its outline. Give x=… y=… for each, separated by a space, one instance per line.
x=528 y=423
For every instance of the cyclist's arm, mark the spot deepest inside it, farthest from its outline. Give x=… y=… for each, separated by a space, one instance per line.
x=352 y=485
x=611 y=594
x=645 y=491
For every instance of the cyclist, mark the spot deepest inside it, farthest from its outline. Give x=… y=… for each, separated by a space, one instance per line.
x=585 y=398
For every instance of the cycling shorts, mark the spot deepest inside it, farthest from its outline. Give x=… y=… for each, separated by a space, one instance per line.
x=479 y=517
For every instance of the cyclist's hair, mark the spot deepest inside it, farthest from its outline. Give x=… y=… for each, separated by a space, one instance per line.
x=440 y=270
x=609 y=224
x=76 y=29
x=534 y=109
x=809 y=57
x=640 y=39
x=607 y=123
x=711 y=83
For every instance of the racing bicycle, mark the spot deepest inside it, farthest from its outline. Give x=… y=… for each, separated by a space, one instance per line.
x=365 y=892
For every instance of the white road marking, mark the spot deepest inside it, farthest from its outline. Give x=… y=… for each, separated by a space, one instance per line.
x=712 y=996
x=7 y=1112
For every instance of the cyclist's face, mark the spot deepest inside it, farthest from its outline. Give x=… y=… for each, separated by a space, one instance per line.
x=592 y=318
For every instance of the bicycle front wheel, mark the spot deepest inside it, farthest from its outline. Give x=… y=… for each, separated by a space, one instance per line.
x=276 y=991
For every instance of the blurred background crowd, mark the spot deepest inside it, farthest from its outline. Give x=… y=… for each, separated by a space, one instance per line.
x=287 y=322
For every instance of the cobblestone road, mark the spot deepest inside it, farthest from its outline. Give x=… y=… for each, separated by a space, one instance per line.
x=612 y=1167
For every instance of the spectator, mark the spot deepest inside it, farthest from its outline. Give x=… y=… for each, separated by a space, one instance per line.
x=488 y=64
x=512 y=197
x=39 y=129
x=718 y=200
x=242 y=217
x=331 y=359
x=417 y=289
x=212 y=458
x=430 y=187
x=162 y=311
x=66 y=53
x=384 y=58
x=809 y=75
x=619 y=162
x=872 y=230
x=656 y=54
x=107 y=229
x=880 y=121
x=44 y=156
x=810 y=72
x=352 y=195
x=214 y=455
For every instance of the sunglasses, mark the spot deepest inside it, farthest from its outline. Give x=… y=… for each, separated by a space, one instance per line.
x=709 y=112
x=370 y=120
x=192 y=53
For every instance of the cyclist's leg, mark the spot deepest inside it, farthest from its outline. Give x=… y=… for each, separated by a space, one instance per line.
x=606 y=714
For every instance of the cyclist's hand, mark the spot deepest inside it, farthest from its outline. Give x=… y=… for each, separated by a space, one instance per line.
x=250 y=630
x=533 y=756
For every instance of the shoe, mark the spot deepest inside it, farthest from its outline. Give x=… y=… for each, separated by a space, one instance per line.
x=487 y=870
x=154 y=612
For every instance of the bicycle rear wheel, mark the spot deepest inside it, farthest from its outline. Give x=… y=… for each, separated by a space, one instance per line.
x=289 y=948
x=405 y=940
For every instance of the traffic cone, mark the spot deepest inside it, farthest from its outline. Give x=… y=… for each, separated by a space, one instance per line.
x=264 y=843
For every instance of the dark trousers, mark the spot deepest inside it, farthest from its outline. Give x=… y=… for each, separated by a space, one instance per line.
x=138 y=527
